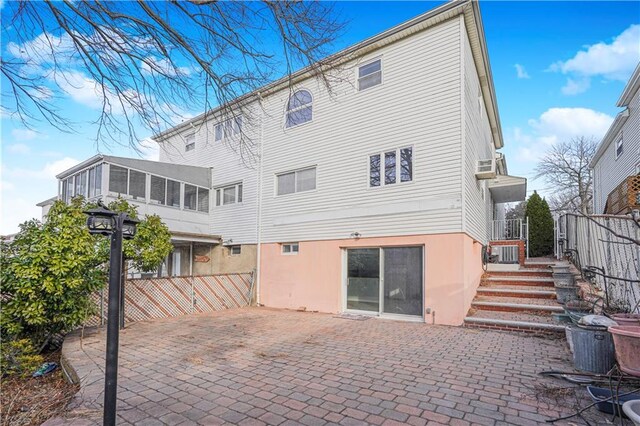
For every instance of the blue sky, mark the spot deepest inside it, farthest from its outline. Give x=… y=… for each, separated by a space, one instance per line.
x=558 y=69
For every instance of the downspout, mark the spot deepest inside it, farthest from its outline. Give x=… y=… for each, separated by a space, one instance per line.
x=259 y=219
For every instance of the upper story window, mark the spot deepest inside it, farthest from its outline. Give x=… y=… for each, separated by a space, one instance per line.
x=619 y=147
x=228 y=128
x=87 y=183
x=296 y=181
x=390 y=167
x=230 y=194
x=190 y=142
x=370 y=74
x=299 y=108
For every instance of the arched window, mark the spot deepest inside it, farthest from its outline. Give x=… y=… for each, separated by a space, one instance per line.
x=299 y=108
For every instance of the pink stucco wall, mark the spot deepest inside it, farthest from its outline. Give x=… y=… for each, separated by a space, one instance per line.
x=313 y=278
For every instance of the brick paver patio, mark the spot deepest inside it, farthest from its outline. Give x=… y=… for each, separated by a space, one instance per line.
x=260 y=366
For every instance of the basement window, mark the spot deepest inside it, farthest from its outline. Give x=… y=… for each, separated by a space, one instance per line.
x=235 y=250
x=290 y=248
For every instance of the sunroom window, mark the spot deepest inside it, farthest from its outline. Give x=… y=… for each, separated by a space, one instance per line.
x=299 y=108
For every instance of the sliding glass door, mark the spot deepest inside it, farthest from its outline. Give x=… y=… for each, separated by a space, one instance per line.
x=385 y=281
x=363 y=280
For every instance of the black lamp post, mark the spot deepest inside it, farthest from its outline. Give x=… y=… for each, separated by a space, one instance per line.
x=103 y=221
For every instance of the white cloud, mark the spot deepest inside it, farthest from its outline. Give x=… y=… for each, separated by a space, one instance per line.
x=521 y=72
x=553 y=126
x=149 y=149
x=611 y=61
x=47 y=172
x=19 y=148
x=23 y=134
x=575 y=87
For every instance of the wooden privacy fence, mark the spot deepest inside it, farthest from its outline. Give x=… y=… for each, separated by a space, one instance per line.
x=175 y=296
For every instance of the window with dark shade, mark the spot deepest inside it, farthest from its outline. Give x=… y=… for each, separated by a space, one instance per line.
x=389 y=167
x=137 y=184
x=397 y=167
x=173 y=193
x=158 y=189
x=406 y=164
x=98 y=187
x=118 y=177
x=190 y=197
x=374 y=170
x=203 y=200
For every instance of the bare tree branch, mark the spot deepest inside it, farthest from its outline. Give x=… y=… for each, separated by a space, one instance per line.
x=566 y=168
x=151 y=65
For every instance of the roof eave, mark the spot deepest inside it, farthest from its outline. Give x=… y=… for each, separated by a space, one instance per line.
x=80 y=166
x=615 y=127
x=630 y=89
x=356 y=50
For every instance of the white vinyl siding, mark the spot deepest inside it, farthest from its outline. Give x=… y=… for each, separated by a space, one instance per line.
x=478 y=146
x=612 y=168
x=349 y=127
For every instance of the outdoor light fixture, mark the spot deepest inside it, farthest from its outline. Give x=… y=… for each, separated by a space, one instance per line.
x=118 y=226
x=355 y=235
x=101 y=220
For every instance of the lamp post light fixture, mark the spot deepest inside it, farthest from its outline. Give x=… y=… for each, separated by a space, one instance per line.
x=103 y=221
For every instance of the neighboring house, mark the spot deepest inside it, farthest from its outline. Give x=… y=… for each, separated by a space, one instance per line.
x=376 y=198
x=616 y=164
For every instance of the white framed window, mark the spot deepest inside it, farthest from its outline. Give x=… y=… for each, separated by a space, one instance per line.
x=369 y=74
x=118 y=178
x=391 y=167
x=228 y=128
x=296 y=181
x=190 y=142
x=299 y=108
x=230 y=194
x=290 y=248
x=235 y=250
x=619 y=147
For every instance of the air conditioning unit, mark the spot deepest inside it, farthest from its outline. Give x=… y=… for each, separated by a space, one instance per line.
x=486 y=169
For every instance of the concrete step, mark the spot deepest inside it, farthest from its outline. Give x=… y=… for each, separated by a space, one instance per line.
x=515 y=291
x=509 y=306
x=516 y=280
x=529 y=272
x=512 y=325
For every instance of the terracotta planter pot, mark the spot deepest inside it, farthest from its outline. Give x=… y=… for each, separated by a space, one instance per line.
x=626 y=319
x=626 y=340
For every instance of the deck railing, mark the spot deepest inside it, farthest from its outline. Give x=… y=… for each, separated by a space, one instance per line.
x=508 y=229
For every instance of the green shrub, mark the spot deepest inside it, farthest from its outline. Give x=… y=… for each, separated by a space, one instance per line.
x=19 y=357
x=540 y=226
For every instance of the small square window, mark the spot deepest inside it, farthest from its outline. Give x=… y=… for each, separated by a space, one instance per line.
x=235 y=250
x=190 y=142
x=290 y=248
x=370 y=75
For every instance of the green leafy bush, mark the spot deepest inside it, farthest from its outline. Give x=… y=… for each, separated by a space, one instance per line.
x=19 y=357
x=50 y=269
